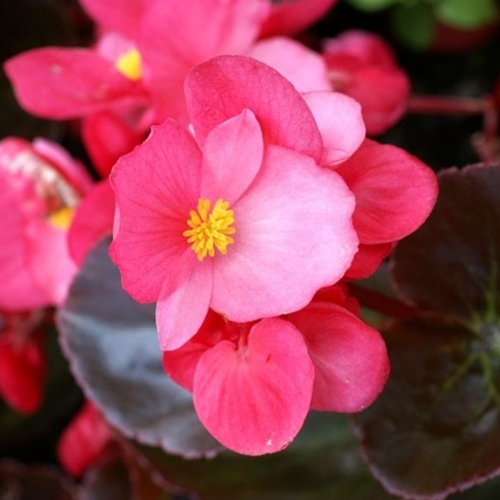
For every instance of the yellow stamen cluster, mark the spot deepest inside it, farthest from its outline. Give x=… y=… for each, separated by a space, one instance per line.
x=61 y=219
x=210 y=230
x=129 y=65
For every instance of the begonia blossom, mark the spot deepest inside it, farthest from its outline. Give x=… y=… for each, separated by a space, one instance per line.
x=41 y=185
x=362 y=65
x=134 y=75
x=253 y=384
x=240 y=218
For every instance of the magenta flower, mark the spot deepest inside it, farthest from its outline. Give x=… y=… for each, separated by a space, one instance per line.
x=241 y=220
x=362 y=65
x=41 y=185
x=253 y=384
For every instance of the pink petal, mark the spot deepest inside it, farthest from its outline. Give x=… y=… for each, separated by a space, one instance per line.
x=222 y=87
x=368 y=260
x=155 y=187
x=254 y=398
x=294 y=16
x=19 y=290
x=123 y=17
x=395 y=192
x=350 y=358
x=49 y=260
x=183 y=302
x=67 y=83
x=93 y=219
x=302 y=66
x=294 y=235
x=340 y=123
x=168 y=53
x=232 y=157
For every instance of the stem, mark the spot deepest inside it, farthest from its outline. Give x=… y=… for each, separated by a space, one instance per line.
x=381 y=303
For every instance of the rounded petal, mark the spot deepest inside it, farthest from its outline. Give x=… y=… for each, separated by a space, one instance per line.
x=368 y=260
x=224 y=86
x=395 y=192
x=67 y=83
x=232 y=157
x=93 y=219
x=294 y=235
x=155 y=188
x=183 y=302
x=254 y=398
x=291 y=17
x=340 y=123
x=350 y=358
x=304 y=67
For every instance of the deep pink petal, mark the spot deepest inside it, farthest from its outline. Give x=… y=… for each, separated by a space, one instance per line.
x=67 y=83
x=340 y=123
x=395 y=192
x=19 y=290
x=175 y=36
x=292 y=17
x=294 y=235
x=232 y=157
x=350 y=358
x=92 y=220
x=224 y=86
x=304 y=67
x=49 y=260
x=183 y=303
x=254 y=398
x=368 y=260
x=155 y=187
x=123 y=17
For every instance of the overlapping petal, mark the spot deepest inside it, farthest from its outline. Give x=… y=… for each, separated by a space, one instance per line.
x=254 y=397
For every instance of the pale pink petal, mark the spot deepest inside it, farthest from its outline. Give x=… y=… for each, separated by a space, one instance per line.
x=350 y=358
x=368 y=260
x=155 y=186
x=340 y=123
x=49 y=260
x=395 y=192
x=183 y=302
x=304 y=67
x=175 y=36
x=123 y=17
x=290 y=17
x=93 y=219
x=224 y=86
x=254 y=398
x=232 y=157
x=294 y=235
x=19 y=289
x=67 y=83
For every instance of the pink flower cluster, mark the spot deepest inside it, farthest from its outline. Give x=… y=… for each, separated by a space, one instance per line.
x=251 y=203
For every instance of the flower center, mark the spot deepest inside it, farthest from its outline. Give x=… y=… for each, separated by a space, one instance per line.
x=210 y=230
x=61 y=219
x=129 y=65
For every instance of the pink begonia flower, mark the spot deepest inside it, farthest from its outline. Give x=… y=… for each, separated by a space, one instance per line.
x=23 y=364
x=362 y=65
x=85 y=441
x=253 y=384
x=40 y=184
x=134 y=76
x=243 y=221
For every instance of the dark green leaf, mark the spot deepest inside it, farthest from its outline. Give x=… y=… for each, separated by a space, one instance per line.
x=467 y=15
x=111 y=342
x=413 y=24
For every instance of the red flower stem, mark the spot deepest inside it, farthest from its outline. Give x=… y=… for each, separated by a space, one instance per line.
x=381 y=303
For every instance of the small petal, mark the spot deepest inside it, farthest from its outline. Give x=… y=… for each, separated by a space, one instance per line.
x=232 y=157
x=350 y=358
x=368 y=260
x=224 y=86
x=254 y=398
x=395 y=192
x=293 y=236
x=340 y=123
